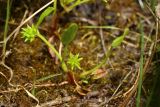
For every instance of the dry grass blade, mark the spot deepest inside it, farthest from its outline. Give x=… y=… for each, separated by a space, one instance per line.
x=17 y=31
x=57 y=101
x=3 y=75
x=30 y=95
x=10 y=71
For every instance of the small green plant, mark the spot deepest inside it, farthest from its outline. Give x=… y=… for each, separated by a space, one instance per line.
x=29 y=33
x=74 y=61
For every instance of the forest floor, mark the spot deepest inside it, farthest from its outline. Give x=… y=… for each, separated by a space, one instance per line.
x=31 y=76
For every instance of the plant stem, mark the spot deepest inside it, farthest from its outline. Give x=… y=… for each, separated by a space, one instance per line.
x=63 y=64
x=141 y=67
x=84 y=74
x=55 y=6
x=5 y=31
x=50 y=46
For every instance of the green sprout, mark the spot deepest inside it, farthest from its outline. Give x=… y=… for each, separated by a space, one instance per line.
x=29 y=33
x=74 y=61
x=68 y=35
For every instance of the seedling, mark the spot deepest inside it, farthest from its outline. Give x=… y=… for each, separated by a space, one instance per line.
x=74 y=61
x=31 y=32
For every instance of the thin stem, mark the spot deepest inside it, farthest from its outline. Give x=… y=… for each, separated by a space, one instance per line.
x=141 y=68
x=55 y=6
x=6 y=31
x=50 y=46
x=99 y=65
x=63 y=64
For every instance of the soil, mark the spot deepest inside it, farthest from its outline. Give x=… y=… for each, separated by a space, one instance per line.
x=31 y=62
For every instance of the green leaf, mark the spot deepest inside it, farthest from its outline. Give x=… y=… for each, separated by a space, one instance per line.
x=44 y=14
x=119 y=40
x=69 y=34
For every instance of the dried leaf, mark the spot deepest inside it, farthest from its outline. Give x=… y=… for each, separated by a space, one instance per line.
x=99 y=73
x=32 y=96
